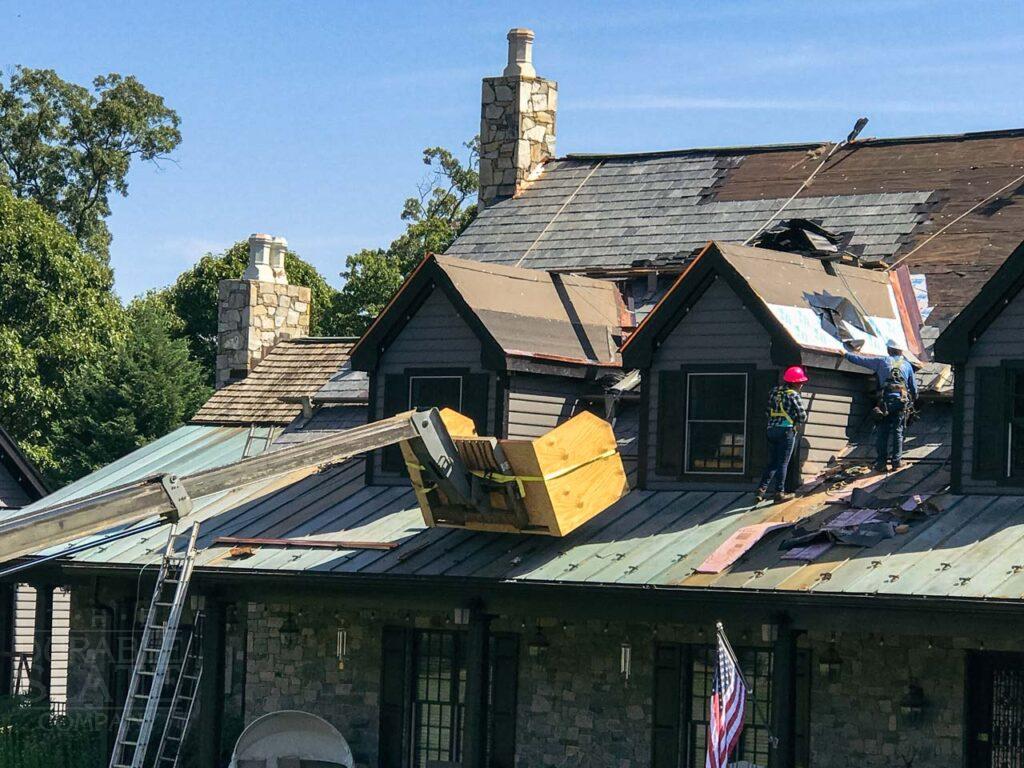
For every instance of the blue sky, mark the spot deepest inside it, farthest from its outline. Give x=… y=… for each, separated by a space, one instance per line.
x=307 y=120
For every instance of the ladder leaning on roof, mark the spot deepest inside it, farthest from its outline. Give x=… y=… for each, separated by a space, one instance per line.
x=183 y=701
x=154 y=657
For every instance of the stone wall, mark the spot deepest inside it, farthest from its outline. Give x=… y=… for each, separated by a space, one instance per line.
x=517 y=133
x=253 y=315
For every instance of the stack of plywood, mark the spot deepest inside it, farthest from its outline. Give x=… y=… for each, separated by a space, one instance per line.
x=553 y=484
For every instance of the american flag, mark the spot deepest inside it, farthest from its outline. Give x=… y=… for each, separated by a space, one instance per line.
x=728 y=706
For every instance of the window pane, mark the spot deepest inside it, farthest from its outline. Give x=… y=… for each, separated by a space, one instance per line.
x=715 y=446
x=717 y=396
x=435 y=392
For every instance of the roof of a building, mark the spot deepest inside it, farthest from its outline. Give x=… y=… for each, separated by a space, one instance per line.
x=804 y=307
x=954 y=343
x=20 y=482
x=291 y=370
x=517 y=313
x=608 y=213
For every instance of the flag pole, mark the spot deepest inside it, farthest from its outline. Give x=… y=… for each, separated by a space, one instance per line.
x=772 y=738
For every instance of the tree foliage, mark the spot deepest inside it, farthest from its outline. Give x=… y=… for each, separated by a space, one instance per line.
x=146 y=386
x=440 y=212
x=193 y=297
x=58 y=318
x=69 y=148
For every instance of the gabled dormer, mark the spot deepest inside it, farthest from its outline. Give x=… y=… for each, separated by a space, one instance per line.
x=718 y=341
x=517 y=350
x=985 y=346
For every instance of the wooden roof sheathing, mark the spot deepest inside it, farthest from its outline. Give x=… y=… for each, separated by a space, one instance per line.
x=293 y=368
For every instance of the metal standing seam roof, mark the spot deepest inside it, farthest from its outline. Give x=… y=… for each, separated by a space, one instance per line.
x=972 y=549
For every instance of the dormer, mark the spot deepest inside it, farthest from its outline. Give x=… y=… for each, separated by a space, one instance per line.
x=517 y=350
x=717 y=342
x=985 y=346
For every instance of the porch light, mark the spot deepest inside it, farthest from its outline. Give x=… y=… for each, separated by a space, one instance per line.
x=539 y=645
x=830 y=663
x=289 y=630
x=626 y=661
x=342 y=647
x=912 y=703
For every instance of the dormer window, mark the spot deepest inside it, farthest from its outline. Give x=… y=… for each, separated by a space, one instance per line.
x=716 y=423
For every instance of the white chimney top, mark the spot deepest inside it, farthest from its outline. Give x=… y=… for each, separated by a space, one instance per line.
x=259 y=267
x=277 y=250
x=520 y=53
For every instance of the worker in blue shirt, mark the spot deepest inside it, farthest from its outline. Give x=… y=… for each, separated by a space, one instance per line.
x=897 y=394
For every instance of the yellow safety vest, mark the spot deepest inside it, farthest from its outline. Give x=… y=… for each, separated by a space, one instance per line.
x=776 y=409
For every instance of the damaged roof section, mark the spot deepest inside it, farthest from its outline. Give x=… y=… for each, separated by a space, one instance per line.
x=271 y=394
x=519 y=314
x=806 y=307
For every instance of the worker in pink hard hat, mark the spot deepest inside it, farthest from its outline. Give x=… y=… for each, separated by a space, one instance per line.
x=785 y=412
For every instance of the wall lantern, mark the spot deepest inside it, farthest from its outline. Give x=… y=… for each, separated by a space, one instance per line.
x=626 y=662
x=342 y=647
x=289 y=630
x=912 y=703
x=461 y=616
x=538 y=645
x=830 y=663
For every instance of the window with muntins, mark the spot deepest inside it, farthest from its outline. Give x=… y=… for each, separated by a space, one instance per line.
x=716 y=423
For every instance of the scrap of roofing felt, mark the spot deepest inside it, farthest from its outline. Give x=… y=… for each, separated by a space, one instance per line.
x=738 y=544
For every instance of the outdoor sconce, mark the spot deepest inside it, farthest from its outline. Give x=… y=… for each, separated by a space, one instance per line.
x=626 y=662
x=830 y=663
x=912 y=703
x=289 y=631
x=342 y=647
x=461 y=616
x=539 y=645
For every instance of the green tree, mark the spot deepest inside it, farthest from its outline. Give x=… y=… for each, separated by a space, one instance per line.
x=444 y=207
x=58 y=318
x=146 y=387
x=69 y=148
x=193 y=297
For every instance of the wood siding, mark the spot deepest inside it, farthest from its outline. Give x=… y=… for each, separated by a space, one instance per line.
x=537 y=404
x=1002 y=341
x=24 y=627
x=435 y=337
x=837 y=408
x=717 y=330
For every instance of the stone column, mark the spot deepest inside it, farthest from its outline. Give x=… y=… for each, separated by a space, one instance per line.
x=517 y=123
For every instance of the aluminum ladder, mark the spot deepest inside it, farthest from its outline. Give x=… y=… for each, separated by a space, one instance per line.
x=183 y=701
x=154 y=657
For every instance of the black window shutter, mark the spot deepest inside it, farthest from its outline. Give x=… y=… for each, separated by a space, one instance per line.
x=504 y=683
x=671 y=424
x=395 y=685
x=759 y=387
x=667 y=706
x=476 y=390
x=396 y=400
x=989 y=424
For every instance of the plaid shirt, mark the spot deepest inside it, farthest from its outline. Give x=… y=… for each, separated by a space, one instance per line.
x=784 y=400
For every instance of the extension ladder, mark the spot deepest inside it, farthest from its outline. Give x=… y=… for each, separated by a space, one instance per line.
x=154 y=657
x=183 y=701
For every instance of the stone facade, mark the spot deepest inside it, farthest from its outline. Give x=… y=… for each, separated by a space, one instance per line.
x=259 y=310
x=517 y=124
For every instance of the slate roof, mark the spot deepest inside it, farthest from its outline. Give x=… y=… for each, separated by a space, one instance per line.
x=601 y=213
x=293 y=368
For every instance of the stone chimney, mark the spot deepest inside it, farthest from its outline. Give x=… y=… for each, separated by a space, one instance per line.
x=256 y=312
x=517 y=122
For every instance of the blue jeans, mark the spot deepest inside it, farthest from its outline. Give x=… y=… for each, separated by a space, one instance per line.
x=889 y=432
x=780 y=448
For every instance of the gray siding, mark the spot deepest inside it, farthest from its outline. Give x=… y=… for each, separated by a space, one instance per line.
x=1002 y=340
x=837 y=406
x=537 y=404
x=435 y=337
x=12 y=494
x=24 y=628
x=718 y=330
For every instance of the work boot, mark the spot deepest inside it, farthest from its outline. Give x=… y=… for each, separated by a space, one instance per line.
x=782 y=496
x=880 y=467
x=897 y=465
x=760 y=494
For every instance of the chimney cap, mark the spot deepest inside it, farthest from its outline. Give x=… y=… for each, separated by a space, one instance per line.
x=520 y=53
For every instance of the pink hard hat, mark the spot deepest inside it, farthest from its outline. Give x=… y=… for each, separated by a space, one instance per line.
x=794 y=375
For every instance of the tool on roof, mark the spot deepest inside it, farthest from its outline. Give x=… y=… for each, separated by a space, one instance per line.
x=159 y=635
x=851 y=137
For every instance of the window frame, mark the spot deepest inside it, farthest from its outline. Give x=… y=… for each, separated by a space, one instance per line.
x=690 y=371
x=411 y=377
